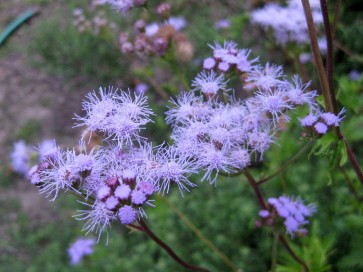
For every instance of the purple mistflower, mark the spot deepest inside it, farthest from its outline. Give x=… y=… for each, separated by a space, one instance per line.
x=103 y=192
x=219 y=51
x=111 y=203
x=99 y=107
x=177 y=22
x=186 y=108
x=298 y=95
x=146 y=187
x=222 y=24
x=123 y=192
x=241 y=158
x=151 y=29
x=308 y=120
x=355 y=75
x=243 y=64
x=127 y=215
x=264 y=213
x=33 y=175
x=223 y=67
x=98 y=218
x=138 y=197
x=47 y=148
x=213 y=159
x=136 y=108
x=294 y=213
x=141 y=88
x=260 y=141
x=331 y=119
x=209 y=83
x=20 y=158
x=80 y=248
x=176 y=167
x=266 y=78
x=209 y=63
x=272 y=102
x=120 y=5
x=60 y=176
x=321 y=128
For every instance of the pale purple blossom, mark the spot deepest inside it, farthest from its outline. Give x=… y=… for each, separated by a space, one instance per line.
x=127 y=215
x=293 y=211
x=177 y=22
x=209 y=83
x=80 y=248
x=20 y=158
x=209 y=63
x=287 y=22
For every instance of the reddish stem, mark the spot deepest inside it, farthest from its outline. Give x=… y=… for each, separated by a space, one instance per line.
x=172 y=254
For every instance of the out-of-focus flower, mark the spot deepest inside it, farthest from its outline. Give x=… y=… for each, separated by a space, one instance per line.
x=80 y=248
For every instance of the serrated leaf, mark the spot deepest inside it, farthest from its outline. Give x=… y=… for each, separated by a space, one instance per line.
x=324 y=143
x=343 y=153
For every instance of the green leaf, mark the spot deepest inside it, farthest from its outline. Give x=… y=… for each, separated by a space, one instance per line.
x=322 y=145
x=343 y=153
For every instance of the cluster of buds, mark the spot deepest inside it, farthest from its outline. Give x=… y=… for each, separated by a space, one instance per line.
x=124 y=195
x=228 y=57
x=156 y=39
x=95 y=24
x=290 y=213
x=320 y=123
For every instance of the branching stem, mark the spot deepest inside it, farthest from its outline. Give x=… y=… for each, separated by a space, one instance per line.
x=168 y=249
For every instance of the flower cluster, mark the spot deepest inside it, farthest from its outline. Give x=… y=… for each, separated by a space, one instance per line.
x=292 y=212
x=228 y=57
x=156 y=39
x=79 y=249
x=320 y=122
x=96 y=23
x=288 y=22
x=213 y=131
x=223 y=133
x=116 y=180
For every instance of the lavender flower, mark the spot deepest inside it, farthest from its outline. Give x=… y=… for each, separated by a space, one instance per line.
x=293 y=211
x=320 y=122
x=80 y=248
x=20 y=158
x=209 y=84
x=287 y=22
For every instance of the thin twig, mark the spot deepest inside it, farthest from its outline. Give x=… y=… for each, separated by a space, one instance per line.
x=168 y=249
x=336 y=15
x=290 y=161
x=347 y=51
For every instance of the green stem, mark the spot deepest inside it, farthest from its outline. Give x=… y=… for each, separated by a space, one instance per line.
x=336 y=15
x=274 y=251
x=317 y=57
